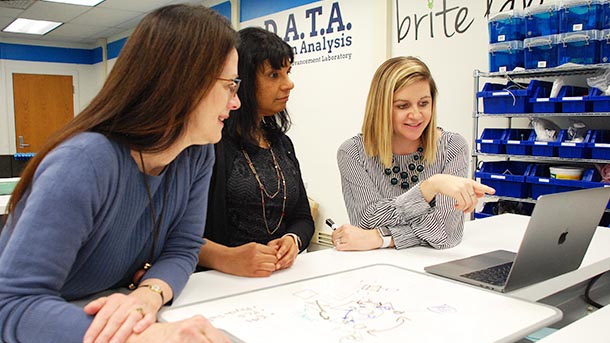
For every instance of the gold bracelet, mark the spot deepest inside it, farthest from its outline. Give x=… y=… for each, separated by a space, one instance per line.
x=157 y=289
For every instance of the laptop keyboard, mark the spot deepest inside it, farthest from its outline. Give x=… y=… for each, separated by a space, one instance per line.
x=496 y=275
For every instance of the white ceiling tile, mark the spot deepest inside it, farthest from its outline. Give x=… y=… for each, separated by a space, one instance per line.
x=54 y=11
x=141 y=6
x=9 y=12
x=82 y=23
x=105 y=17
x=75 y=30
x=130 y=24
x=4 y=21
x=113 y=31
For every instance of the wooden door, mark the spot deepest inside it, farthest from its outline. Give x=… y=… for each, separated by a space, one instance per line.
x=43 y=104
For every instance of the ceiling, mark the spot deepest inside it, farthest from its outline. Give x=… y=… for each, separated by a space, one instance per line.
x=83 y=26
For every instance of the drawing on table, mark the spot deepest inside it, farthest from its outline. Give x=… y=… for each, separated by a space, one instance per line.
x=350 y=310
x=371 y=304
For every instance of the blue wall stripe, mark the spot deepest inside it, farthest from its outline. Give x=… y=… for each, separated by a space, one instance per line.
x=250 y=9
x=35 y=53
x=223 y=8
x=114 y=48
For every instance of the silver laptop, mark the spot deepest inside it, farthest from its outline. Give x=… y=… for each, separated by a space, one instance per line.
x=555 y=242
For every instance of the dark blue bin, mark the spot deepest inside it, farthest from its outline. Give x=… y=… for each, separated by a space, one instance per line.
x=574 y=99
x=505 y=56
x=568 y=149
x=543 y=148
x=510 y=98
x=506 y=26
x=541 y=183
x=492 y=141
x=605 y=15
x=580 y=15
x=604 y=46
x=540 y=52
x=600 y=144
x=518 y=141
x=599 y=101
x=542 y=102
x=488 y=210
x=506 y=177
x=541 y=20
x=580 y=47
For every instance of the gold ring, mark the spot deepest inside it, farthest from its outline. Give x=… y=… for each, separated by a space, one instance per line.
x=140 y=311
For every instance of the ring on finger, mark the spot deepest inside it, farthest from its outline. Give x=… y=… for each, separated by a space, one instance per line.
x=140 y=311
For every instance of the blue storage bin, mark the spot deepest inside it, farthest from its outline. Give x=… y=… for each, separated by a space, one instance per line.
x=510 y=98
x=506 y=177
x=504 y=206
x=574 y=99
x=599 y=101
x=578 y=47
x=506 y=26
x=489 y=209
x=492 y=141
x=580 y=15
x=541 y=20
x=541 y=183
x=540 y=52
x=605 y=15
x=542 y=102
x=600 y=144
x=604 y=46
x=568 y=149
x=541 y=148
x=518 y=141
x=505 y=56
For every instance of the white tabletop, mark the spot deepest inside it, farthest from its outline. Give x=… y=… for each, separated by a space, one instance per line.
x=591 y=329
x=3 y=203
x=482 y=235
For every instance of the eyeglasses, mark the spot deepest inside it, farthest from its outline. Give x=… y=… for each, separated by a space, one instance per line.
x=234 y=86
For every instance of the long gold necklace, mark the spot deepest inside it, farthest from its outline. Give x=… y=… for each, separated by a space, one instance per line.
x=281 y=184
x=156 y=223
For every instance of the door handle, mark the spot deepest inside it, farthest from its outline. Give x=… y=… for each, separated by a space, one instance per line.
x=21 y=143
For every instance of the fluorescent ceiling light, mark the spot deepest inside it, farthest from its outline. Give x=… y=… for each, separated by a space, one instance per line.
x=78 y=2
x=33 y=27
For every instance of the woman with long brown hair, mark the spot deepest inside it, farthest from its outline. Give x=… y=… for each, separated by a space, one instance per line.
x=114 y=199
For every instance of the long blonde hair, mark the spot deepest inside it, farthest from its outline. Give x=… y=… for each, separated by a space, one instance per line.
x=377 y=129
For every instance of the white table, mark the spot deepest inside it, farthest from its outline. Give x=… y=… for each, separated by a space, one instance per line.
x=492 y=233
x=592 y=328
x=3 y=203
x=482 y=235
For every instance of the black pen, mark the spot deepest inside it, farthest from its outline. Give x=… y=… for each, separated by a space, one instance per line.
x=331 y=223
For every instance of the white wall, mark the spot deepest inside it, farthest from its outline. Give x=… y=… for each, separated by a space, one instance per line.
x=87 y=81
x=328 y=100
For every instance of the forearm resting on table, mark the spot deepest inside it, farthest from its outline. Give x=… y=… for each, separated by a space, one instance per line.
x=213 y=255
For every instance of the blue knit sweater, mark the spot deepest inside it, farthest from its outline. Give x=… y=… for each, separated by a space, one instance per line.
x=84 y=226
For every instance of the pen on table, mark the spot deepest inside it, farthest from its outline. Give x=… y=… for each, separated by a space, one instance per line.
x=331 y=223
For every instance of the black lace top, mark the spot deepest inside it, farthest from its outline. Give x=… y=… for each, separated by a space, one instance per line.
x=235 y=214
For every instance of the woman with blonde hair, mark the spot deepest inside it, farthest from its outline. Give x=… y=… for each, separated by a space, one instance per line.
x=404 y=176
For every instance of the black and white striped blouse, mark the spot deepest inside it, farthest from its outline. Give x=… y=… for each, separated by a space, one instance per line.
x=373 y=201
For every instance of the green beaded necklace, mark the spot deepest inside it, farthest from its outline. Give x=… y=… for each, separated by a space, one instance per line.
x=401 y=177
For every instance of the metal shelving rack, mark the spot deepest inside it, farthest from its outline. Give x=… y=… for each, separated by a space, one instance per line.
x=528 y=74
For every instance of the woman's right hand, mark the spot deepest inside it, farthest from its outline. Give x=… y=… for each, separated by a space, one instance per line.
x=196 y=329
x=466 y=192
x=251 y=259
